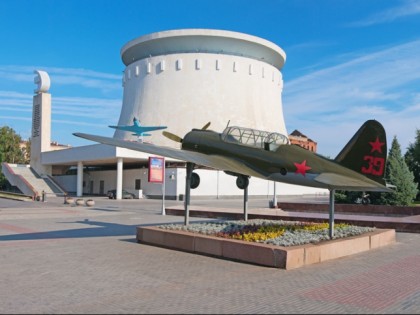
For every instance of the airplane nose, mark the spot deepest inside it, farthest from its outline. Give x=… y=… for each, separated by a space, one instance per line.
x=191 y=141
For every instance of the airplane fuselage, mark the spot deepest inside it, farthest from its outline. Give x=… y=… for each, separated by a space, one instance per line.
x=246 y=152
x=284 y=163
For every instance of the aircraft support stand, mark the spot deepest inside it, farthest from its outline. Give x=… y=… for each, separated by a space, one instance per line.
x=190 y=167
x=331 y=214
x=246 y=204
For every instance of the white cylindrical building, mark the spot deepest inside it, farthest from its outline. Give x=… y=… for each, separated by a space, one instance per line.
x=185 y=78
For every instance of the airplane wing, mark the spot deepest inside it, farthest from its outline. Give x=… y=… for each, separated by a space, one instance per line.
x=151 y=128
x=213 y=161
x=346 y=182
x=332 y=180
x=126 y=128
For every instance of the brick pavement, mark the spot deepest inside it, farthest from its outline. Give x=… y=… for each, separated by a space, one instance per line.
x=58 y=258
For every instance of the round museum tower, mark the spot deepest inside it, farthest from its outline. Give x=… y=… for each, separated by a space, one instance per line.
x=185 y=78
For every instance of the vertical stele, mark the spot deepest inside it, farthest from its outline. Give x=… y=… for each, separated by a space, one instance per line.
x=41 y=122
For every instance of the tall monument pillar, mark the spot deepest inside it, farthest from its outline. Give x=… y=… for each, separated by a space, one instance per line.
x=41 y=122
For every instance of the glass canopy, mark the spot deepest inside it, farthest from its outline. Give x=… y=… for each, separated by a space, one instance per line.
x=254 y=138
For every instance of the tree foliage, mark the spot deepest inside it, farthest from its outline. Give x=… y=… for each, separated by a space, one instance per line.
x=10 y=150
x=412 y=158
x=27 y=151
x=397 y=173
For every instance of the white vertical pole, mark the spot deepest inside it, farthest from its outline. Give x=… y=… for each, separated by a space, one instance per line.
x=79 y=192
x=163 y=188
x=119 y=177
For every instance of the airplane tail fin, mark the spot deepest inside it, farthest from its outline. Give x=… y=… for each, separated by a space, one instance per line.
x=366 y=151
x=136 y=122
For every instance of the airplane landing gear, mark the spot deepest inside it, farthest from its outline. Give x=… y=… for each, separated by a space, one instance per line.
x=195 y=180
x=242 y=181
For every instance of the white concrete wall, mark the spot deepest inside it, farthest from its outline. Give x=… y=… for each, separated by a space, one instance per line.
x=219 y=184
x=212 y=184
x=181 y=87
x=68 y=182
x=190 y=97
x=183 y=79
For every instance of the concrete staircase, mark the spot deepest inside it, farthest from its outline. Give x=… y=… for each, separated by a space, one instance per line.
x=29 y=182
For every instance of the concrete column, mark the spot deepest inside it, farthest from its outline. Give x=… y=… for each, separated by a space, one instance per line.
x=41 y=132
x=79 y=179
x=119 y=177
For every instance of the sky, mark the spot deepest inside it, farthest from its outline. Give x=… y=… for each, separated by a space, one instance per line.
x=347 y=61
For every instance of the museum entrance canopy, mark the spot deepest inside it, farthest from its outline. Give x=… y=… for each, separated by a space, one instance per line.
x=254 y=138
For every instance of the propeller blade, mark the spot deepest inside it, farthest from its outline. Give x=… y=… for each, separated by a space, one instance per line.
x=172 y=136
x=205 y=126
x=176 y=138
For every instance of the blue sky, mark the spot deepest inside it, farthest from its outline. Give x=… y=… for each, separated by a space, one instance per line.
x=347 y=61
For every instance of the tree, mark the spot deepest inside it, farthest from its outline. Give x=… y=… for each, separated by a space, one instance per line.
x=397 y=173
x=412 y=158
x=27 y=151
x=10 y=150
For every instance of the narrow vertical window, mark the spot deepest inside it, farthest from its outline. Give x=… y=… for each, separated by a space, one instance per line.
x=179 y=64
x=198 y=64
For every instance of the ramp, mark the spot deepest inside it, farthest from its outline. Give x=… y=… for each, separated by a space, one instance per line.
x=29 y=182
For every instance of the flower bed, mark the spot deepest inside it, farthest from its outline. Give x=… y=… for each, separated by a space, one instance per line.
x=274 y=232
x=201 y=238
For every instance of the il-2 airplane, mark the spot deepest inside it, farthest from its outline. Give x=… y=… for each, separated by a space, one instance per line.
x=245 y=152
x=138 y=129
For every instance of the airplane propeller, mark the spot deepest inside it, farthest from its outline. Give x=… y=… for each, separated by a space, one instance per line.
x=176 y=138
x=172 y=136
x=205 y=126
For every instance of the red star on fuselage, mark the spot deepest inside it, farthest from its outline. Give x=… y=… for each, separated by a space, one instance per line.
x=376 y=146
x=302 y=168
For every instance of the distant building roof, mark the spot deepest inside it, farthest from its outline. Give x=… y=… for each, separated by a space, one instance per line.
x=297 y=133
x=298 y=138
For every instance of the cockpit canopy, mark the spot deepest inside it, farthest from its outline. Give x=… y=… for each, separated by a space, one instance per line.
x=254 y=138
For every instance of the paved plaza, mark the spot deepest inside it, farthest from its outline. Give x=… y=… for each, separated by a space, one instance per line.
x=59 y=258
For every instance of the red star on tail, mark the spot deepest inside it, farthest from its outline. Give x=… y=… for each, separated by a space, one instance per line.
x=376 y=146
x=302 y=168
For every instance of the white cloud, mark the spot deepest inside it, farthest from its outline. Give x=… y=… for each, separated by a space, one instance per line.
x=335 y=101
x=64 y=76
x=407 y=8
x=68 y=112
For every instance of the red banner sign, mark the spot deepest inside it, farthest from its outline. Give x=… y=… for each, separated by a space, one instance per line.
x=156 y=169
